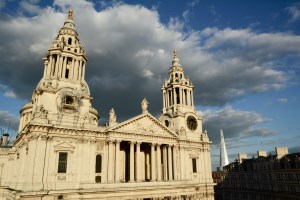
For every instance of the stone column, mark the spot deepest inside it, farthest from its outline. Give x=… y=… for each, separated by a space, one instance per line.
x=131 y=162
x=56 y=65
x=152 y=162
x=174 y=96
x=83 y=70
x=164 y=102
x=168 y=103
x=72 y=69
x=175 y=164
x=61 y=59
x=117 y=163
x=182 y=164
x=110 y=161
x=64 y=67
x=192 y=98
x=188 y=165
x=180 y=96
x=75 y=70
x=49 y=65
x=165 y=163
x=170 y=165
x=158 y=162
x=79 y=69
x=137 y=162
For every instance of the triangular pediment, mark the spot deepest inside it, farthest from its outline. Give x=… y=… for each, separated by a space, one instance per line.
x=144 y=124
x=64 y=146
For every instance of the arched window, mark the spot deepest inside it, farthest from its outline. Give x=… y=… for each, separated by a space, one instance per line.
x=70 y=41
x=69 y=100
x=176 y=75
x=98 y=168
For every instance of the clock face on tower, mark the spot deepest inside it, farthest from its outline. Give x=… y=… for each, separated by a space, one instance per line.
x=191 y=123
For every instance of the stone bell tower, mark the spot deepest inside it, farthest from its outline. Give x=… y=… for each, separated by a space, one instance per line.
x=62 y=97
x=178 y=111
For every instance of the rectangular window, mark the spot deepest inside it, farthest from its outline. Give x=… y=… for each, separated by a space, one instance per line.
x=62 y=162
x=194 y=163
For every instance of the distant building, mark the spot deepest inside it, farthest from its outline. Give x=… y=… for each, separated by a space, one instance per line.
x=270 y=177
x=223 y=152
x=60 y=152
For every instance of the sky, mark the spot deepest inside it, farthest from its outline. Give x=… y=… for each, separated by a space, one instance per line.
x=242 y=57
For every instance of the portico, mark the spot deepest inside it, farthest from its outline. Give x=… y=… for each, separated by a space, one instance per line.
x=135 y=161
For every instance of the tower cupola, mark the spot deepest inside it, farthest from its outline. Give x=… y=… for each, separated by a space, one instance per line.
x=66 y=57
x=178 y=89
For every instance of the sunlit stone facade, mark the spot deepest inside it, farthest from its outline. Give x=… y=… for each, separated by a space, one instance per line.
x=60 y=151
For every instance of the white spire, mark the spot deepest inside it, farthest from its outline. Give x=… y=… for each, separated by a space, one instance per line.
x=223 y=152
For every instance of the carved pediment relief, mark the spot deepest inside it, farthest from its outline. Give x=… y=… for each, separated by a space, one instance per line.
x=144 y=124
x=64 y=146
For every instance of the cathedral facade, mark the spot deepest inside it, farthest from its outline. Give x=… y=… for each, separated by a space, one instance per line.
x=60 y=152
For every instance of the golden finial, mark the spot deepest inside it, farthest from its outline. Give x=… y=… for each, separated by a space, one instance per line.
x=175 y=54
x=70 y=14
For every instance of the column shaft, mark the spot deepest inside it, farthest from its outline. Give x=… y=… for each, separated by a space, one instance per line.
x=110 y=161
x=175 y=164
x=165 y=163
x=158 y=162
x=170 y=165
x=56 y=65
x=152 y=163
x=83 y=70
x=137 y=162
x=131 y=162
x=117 y=163
x=64 y=67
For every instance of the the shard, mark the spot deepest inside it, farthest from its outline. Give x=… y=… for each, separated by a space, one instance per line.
x=223 y=152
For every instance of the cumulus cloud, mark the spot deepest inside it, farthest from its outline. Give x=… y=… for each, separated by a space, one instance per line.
x=130 y=52
x=235 y=124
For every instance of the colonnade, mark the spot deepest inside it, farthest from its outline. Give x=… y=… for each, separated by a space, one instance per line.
x=65 y=67
x=162 y=164
x=170 y=96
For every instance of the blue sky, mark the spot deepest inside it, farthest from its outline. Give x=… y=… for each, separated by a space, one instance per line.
x=242 y=57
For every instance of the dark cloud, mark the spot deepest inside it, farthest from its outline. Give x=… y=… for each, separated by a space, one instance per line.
x=235 y=124
x=8 y=121
x=130 y=52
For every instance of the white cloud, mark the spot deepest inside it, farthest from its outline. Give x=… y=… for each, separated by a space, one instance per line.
x=235 y=124
x=10 y=94
x=126 y=43
x=282 y=100
x=7 y=91
x=294 y=11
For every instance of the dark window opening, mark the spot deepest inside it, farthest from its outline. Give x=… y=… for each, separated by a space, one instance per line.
x=167 y=123
x=98 y=163
x=62 y=162
x=177 y=96
x=98 y=179
x=60 y=197
x=176 y=75
x=185 y=95
x=170 y=98
x=69 y=100
x=70 y=41
x=67 y=74
x=194 y=163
